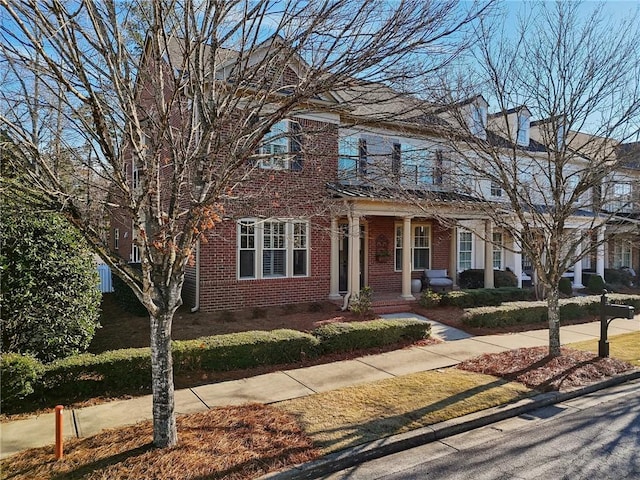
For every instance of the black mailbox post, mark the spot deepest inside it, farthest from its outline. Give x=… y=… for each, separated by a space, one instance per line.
x=607 y=313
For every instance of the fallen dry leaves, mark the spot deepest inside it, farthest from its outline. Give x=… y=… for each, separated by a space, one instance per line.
x=535 y=369
x=223 y=443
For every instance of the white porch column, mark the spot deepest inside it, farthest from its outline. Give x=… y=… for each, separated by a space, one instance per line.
x=600 y=252
x=406 y=259
x=488 y=255
x=354 y=255
x=334 y=285
x=517 y=260
x=453 y=256
x=577 y=268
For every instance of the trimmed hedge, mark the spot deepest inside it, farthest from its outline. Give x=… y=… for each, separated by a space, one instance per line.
x=19 y=375
x=564 y=286
x=129 y=370
x=618 y=276
x=482 y=297
x=535 y=312
x=243 y=350
x=474 y=278
x=108 y=373
x=346 y=337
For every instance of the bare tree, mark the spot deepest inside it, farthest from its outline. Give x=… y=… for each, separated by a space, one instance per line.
x=543 y=181
x=189 y=113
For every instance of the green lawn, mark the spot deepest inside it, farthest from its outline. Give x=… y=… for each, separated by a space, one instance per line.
x=623 y=347
x=353 y=415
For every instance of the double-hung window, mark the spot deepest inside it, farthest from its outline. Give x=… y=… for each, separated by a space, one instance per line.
x=478 y=120
x=498 y=251
x=273 y=248
x=116 y=238
x=417 y=168
x=281 y=148
x=621 y=254
x=348 y=158
x=523 y=129
x=465 y=250
x=496 y=189
x=420 y=247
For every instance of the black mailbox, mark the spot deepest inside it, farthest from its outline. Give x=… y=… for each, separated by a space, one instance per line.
x=607 y=313
x=620 y=311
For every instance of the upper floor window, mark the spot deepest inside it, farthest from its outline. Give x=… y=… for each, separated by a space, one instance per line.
x=524 y=123
x=281 y=148
x=135 y=254
x=417 y=165
x=370 y=156
x=116 y=238
x=621 y=199
x=560 y=137
x=496 y=189
x=478 y=120
x=348 y=156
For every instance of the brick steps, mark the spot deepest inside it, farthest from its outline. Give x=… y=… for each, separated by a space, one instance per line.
x=393 y=306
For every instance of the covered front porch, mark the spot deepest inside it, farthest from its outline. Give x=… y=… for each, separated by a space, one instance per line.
x=387 y=246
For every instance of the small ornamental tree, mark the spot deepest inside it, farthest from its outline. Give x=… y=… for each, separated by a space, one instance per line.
x=50 y=301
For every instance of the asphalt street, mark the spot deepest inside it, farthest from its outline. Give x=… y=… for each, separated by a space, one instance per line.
x=591 y=437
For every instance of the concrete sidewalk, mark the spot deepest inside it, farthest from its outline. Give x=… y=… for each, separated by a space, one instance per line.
x=38 y=431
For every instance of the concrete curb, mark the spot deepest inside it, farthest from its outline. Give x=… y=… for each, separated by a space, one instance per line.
x=396 y=443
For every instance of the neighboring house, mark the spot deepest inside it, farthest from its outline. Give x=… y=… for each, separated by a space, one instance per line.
x=622 y=196
x=360 y=193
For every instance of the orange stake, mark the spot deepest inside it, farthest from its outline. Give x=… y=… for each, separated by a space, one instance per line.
x=59 y=449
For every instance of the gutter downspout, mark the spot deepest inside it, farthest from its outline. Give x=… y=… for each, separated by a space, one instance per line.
x=196 y=307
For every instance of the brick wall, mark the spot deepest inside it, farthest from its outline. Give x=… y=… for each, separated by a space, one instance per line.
x=273 y=194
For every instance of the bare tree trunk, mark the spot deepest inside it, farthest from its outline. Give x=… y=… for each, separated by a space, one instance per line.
x=553 y=308
x=164 y=423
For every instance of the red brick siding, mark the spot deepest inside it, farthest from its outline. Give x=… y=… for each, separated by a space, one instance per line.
x=382 y=276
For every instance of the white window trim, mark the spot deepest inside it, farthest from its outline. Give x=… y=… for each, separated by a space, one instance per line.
x=496 y=190
x=522 y=132
x=413 y=227
x=460 y=232
x=268 y=163
x=621 y=249
x=259 y=248
x=497 y=248
x=135 y=253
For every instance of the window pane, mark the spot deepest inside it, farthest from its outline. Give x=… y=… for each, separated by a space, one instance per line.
x=497 y=250
x=420 y=258
x=247 y=264
x=398 y=259
x=464 y=251
x=300 y=262
x=274 y=263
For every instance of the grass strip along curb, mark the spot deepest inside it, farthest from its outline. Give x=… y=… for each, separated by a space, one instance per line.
x=352 y=456
x=127 y=371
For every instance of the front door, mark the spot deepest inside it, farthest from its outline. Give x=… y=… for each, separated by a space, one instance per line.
x=343 y=257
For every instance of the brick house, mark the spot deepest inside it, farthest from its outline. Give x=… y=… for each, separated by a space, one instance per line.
x=344 y=195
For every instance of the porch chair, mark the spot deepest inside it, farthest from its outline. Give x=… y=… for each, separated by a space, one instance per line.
x=436 y=280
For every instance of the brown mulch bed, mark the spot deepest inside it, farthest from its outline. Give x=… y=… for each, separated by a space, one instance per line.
x=534 y=368
x=224 y=443
x=120 y=329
